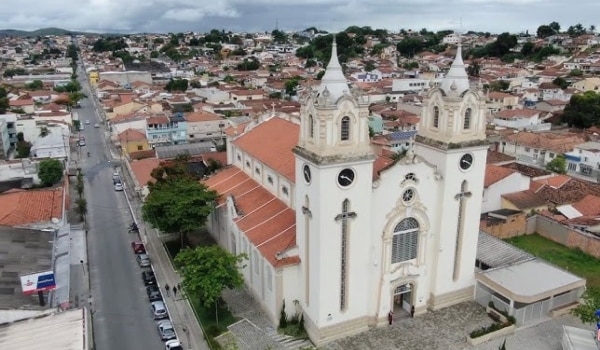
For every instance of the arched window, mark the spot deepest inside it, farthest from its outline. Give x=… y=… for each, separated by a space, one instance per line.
x=345 y=129
x=311 y=126
x=467 y=120
x=405 y=241
x=436 y=117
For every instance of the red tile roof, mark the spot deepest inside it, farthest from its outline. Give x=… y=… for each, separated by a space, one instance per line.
x=19 y=207
x=264 y=219
x=143 y=168
x=588 y=205
x=271 y=142
x=495 y=173
x=131 y=135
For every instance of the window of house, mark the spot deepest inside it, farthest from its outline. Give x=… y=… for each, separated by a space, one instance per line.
x=239 y=157
x=311 y=126
x=257 y=170
x=405 y=240
x=247 y=163
x=345 y=129
x=410 y=176
x=551 y=155
x=140 y=147
x=269 y=278
x=467 y=121
x=436 y=117
x=285 y=190
x=270 y=179
x=527 y=149
x=256 y=268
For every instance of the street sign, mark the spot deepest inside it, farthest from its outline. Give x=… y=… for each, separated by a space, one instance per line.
x=38 y=282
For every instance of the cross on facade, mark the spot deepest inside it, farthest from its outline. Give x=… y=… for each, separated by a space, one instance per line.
x=307 y=216
x=343 y=218
x=461 y=198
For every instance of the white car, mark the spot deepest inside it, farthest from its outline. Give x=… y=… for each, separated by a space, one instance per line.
x=174 y=344
x=81 y=143
x=166 y=330
x=159 y=311
x=118 y=186
x=87 y=122
x=96 y=125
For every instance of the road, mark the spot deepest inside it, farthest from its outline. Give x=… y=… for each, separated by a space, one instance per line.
x=120 y=309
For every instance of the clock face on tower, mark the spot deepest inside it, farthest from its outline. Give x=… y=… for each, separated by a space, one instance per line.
x=346 y=177
x=307 y=174
x=466 y=161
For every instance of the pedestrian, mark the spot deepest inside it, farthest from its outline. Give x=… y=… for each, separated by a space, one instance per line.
x=179 y=286
x=167 y=288
x=412 y=311
x=175 y=292
x=390 y=317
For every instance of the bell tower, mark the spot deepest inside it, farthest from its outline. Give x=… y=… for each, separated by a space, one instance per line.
x=452 y=137
x=334 y=173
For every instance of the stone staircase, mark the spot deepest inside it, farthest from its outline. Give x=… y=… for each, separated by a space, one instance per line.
x=249 y=337
x=287 y=342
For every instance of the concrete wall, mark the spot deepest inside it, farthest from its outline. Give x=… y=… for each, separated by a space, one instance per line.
x=566 y=236
x=515 y=225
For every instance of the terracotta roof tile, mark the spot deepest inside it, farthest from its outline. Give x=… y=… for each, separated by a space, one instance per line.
x=143 y=168
x=525 y=200
x=588 y=205
x=495 y=173
x=19 y=207
x=264 y=219
x=132 y=135
x=271 y=142
x=494 y=157
x=202 y=116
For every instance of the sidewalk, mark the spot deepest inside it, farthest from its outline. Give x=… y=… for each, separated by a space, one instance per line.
x=181 y=313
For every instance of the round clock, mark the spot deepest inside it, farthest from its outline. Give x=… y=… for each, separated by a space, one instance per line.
x=307 y=174
x=346 y=177
x=466 y=161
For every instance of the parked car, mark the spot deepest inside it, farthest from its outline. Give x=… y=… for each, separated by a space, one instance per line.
x=138 y=247
x=148 y=278
x=96 y=125
x=159 y=311
x=174 y=344
x=166 y=330
x=143 y=260
x=116 y=177
x=81 y=143
x=153 y=293
x=87 y=122
x=118 y=186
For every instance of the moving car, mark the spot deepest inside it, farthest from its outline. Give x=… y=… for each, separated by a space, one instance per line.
x=118 y=186
x=153 y=293
x=96 y=125
x=174 y=344
x=148 y=278
x=87 y=122
x=81 y=143
x=166 y=330
x=143 y=260
x=159 y=311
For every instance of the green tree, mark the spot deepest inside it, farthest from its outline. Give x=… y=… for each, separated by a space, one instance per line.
x=474 y=69
x=81 y=208
x=35 y=85
x=499 y=85
x=555 y=26
x=544 y=31
x=4 y=103
x=409 y=46
x=23 y=147
x=291 y=85
x=575 y=73
x=583 y=110
x=527 y=49
x=50 y=171
x=279 y=37
x=369 y=66
x=177 y=85
x=207 y=271
x=561 y=82
x=177 y=203
x=586 y=312
x=557 y=165
x=320 y=75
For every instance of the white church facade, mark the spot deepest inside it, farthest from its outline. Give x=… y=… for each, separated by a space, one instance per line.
x=345 y=236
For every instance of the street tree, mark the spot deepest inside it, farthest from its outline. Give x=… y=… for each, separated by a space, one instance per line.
x=177 y=203
x=583 y=110
x=50 y=171
x=586 y=311
x=207 y=271
x=557 y=165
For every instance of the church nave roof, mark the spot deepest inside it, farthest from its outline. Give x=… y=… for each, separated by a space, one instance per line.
x=264 y=219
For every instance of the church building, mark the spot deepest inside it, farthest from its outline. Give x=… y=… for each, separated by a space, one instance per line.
x=343 y=235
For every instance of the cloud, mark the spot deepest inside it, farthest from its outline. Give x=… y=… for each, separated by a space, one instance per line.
x=264 y=15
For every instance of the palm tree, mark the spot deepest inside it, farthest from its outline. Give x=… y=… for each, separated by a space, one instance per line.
x=592 y=28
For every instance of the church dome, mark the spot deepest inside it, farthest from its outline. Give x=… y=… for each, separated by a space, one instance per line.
x=457 y=79
x=334 y=80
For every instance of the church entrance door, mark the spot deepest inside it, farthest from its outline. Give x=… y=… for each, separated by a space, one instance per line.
x=403 y=300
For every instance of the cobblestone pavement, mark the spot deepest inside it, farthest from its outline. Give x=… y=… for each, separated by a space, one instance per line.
x=442 y=329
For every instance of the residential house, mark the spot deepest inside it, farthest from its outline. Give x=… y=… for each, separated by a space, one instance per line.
x=212 y=95
x=584 y=159
x=243 y=95
x=135 y=121
x=203 y=125
x=27 y=105
x=11 y=127
x=141 y=170
x=118 y=107
x=132 y=140
x=550 y=91
x=52 y=145
x=166 y=130
x=39 y=208
x=520 y=119
x=4 y=139
x=395 y=142
x=551 y=105
x=498 y=101
x=499 y=181
x=19 y=173
x=94 y=77
x=538 y=148
x=367 y=77
x=587 y=84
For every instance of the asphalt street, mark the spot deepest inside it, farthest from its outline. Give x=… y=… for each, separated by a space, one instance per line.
x=120 y=309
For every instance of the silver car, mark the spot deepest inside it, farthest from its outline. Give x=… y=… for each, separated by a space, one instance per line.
x=143 y=260
x=166 y=330
x=159 y=311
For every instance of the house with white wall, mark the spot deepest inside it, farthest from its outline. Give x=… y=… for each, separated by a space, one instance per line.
x=498 y=181
x=584 y=159
x=520 y=119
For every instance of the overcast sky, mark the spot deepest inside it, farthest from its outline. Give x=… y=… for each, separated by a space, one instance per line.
x=131 y=16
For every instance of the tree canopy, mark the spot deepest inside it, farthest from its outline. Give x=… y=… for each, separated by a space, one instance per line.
x=177 y=85
x=109 y=44
x=591 y=303
x=206 y=271
x=4 y=103
x=50 y=171
x=557 y=165
x=583 y=110
x=177 y=202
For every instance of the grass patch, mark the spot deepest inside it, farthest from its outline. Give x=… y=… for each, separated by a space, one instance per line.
x=573 y=260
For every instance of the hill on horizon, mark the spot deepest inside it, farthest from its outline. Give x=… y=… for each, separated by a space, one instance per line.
x=41 y=32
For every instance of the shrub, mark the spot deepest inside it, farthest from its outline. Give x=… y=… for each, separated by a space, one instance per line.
x=283 y=321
